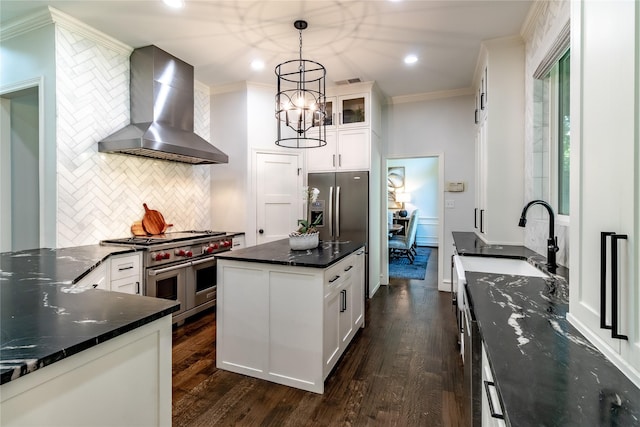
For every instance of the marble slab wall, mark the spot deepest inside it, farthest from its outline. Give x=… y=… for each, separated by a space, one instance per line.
x=546 y=25
x=100 y=195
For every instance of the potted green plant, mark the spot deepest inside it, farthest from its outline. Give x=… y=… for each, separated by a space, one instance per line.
x=307 y=235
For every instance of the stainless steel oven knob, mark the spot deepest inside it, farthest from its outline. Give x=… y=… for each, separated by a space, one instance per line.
x=158 y=256
x=207 y=249
x=179 y=252
x=188 y=254
x=226 y=243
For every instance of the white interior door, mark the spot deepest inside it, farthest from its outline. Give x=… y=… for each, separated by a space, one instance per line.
x=278 y=195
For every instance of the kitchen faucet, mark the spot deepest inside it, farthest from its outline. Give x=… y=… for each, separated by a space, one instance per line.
x=552 y=241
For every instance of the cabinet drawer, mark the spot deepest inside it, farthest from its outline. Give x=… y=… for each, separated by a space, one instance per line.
x=128 y=285
x=125 y=266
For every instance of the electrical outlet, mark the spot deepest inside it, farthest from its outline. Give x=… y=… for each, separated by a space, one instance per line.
x=449 y=204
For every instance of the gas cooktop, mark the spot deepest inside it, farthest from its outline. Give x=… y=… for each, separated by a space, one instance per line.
x=158 y=239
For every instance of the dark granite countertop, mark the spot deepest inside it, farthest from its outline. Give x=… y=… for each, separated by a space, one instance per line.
x=279 y=252
x=45 y=317
x=547 y=372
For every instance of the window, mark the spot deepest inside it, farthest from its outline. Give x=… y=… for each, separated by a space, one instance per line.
x=563 y=141
x=552 y=136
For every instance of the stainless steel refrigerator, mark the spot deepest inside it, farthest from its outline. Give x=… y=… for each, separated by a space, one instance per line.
x=344 y=204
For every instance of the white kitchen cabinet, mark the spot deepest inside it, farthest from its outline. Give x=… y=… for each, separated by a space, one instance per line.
x=96 y=278
x=500 y=142
x=344 y=306
x=481 y=173
x=239 y=241
x=358 y=288
x=297 y=337
x=346 y=150
x=605 y=190
x=125 y=274
x=492 y=410
x=351 y=118
x=353 y=110
x=122 y=381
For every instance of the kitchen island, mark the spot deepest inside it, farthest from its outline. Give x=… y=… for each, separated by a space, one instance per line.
x=287 y=316
x=546 y=372
x=74 y=355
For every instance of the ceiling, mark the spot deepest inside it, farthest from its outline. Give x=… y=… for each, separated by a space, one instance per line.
x=352 y=39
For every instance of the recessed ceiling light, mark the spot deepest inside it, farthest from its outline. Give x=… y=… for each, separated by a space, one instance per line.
x=257 y=64
x=176 y=4
x=410 y=59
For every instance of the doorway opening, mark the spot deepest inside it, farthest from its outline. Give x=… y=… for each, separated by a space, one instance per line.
x=415 y=188
x=20 y=159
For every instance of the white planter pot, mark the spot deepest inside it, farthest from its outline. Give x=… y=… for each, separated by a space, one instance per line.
x=302 y=242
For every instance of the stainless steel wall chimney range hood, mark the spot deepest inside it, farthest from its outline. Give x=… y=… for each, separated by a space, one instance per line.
x=161 y=102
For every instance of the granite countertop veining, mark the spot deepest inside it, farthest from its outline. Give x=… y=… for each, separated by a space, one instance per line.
x=45 y=317
x=547 y=372
x=279 y=252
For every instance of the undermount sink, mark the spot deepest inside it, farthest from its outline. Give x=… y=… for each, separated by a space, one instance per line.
x=509 y=266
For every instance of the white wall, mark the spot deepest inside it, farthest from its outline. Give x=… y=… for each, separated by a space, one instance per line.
x=229 y=182
x=431 y=127
x=31 y=57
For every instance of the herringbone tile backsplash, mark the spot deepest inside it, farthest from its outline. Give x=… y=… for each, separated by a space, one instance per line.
x=100 y=195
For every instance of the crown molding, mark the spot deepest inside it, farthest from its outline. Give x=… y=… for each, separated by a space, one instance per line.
x=430 y=96
x=25 y=24
x=531 y=21
x=51 y=15
x=72 y=24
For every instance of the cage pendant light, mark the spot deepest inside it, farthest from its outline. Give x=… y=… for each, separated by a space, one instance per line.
x=300 y=101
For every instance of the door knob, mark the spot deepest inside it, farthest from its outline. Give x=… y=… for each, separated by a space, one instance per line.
x=261 y=231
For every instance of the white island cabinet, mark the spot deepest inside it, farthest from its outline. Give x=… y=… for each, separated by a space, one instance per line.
x=288 y=323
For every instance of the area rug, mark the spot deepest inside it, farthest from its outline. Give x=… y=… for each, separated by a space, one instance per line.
x=401 y=268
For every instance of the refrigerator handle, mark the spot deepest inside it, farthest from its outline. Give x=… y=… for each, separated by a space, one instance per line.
x=331 y=211
x=337 y=211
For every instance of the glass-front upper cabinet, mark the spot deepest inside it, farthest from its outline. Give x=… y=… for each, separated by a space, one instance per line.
x=353 y=110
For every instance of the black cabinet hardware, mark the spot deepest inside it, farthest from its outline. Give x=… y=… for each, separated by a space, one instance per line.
x=343 y=301
x=614 y=282
x=492 y=407
x=482 y=220
x=475 y=218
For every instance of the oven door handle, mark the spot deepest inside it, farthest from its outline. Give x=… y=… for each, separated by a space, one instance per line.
x=202 y=261
x=153 y=272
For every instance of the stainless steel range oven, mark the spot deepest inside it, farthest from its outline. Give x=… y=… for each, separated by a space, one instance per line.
x=182 y=267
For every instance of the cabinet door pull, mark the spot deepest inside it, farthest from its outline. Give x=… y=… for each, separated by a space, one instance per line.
x=343 y=301
x=492 y=406
x=348 y=268
x=482 y=220
x=334 y=279
x=475 y=218
x=603 y=279
x=614 y=282
x=137 y=288
x=614 y=286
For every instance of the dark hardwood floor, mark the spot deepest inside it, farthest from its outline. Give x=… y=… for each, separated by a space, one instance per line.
x=401 y=370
